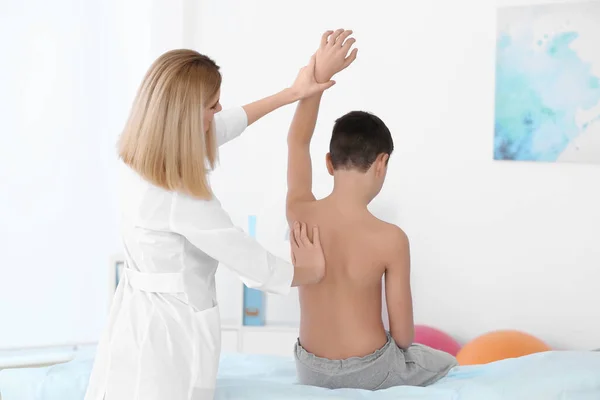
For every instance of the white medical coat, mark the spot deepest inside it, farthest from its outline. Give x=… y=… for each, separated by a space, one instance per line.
x=163 y=336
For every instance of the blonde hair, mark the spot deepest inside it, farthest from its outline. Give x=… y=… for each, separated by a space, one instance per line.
x=164 y=139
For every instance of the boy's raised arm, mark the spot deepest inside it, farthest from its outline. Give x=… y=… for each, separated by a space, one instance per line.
x=330 y=58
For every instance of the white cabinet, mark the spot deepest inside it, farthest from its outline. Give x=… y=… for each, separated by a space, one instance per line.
x=276 y=337
x=229 y=341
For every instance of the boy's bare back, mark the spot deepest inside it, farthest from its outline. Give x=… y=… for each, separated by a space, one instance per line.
x=341 y=315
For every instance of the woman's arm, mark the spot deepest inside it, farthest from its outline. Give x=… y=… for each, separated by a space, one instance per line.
x=304 y=86
x=230 y=123
x=208 y=227
x=258 y=109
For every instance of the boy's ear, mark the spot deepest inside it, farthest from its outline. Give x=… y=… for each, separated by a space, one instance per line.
x=385 y=159
x=329 y=163
x=382 y=161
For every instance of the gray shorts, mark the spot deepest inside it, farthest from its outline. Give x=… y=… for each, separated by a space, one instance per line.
x=389 y=366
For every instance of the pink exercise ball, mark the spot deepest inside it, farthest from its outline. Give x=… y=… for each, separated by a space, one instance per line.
x=436 y=339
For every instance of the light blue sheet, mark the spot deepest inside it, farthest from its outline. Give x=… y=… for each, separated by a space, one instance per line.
x=546 y=376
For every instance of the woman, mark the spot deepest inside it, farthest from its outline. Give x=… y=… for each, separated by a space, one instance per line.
x=162 y=340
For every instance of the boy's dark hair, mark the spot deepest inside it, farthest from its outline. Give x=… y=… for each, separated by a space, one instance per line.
x=357 y=139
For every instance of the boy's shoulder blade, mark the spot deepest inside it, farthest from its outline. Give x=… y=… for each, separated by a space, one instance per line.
x=392 y=234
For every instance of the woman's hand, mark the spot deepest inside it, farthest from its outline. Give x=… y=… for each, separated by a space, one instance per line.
x=332 y=55
x=307 y=256
x=315 y=78
x=306 y=85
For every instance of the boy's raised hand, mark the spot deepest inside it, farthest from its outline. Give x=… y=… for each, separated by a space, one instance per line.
x=332 y=55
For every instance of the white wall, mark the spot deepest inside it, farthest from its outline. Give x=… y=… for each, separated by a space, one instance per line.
x=70 y=70
x=494 y=245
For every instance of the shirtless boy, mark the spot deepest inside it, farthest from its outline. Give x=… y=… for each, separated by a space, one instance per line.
x=343 y=342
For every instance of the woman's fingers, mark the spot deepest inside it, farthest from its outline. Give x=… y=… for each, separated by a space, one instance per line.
x=296 y=235
x=311 y=64
x=324 y=86
x=304 y=235
x=316 y=237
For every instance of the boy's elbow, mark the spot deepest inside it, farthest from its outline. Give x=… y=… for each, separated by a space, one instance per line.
x=404 y=338
x=404 y=342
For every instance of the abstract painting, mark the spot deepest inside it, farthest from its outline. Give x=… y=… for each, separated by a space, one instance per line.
x=547 y=105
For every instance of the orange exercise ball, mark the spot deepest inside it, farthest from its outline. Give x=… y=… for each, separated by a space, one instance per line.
x=499 y=345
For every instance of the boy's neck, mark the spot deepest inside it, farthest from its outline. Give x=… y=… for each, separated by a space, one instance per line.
x=350 y=190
